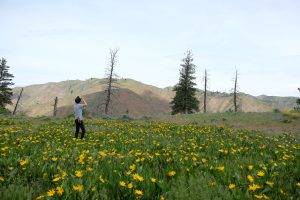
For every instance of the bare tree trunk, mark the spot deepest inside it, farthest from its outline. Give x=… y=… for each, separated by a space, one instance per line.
x=55 y=107
x=20 y=95
x=113 y=55
x=205 y=91
x=235 y=92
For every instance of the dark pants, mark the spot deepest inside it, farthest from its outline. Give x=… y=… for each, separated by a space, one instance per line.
x=79 y=125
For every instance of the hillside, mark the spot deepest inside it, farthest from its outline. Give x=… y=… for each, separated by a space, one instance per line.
x=138 y=98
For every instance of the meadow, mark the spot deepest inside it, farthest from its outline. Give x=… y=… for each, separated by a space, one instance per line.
x=40 y=159
x=269 y=123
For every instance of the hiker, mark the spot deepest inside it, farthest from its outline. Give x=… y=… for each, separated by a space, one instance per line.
x=78 y=107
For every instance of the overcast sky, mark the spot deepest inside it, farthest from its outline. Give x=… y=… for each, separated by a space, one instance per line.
x=55 y=40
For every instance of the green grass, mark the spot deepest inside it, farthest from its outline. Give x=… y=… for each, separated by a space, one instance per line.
x=39 y=157
x=269 y=123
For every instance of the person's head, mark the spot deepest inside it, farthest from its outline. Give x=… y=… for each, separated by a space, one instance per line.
x=77 y=99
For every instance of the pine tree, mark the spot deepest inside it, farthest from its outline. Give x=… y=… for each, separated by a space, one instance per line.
x=5 y=82
x=185 y=100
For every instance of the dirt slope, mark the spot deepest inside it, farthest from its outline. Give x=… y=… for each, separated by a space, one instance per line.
x=140 y=99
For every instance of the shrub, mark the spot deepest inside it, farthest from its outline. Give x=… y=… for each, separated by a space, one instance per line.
x=4 y=111
x=276 y=110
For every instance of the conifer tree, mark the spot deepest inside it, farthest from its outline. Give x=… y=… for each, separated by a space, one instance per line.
x=185 y=100
x=5 y=83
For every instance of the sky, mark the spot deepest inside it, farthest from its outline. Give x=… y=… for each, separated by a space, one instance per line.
x=55 y=40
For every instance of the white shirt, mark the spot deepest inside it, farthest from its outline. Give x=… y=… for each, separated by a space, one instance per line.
x=78 y=111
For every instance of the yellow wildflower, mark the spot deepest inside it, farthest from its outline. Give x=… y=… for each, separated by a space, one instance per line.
x=40 y=197
x=51 y=193
x=253 y=187
x=102 y=179
x=81 y=159
x=54 y=159
x=138 y=193
x=78 y=188
x=231 y=186
x=1 y=178
x=59 y=191
x=132 y=167
x=122 y=183
x=261 y=196
x=23 y=162
x=153 y=180
x=78 y=173
x=250 y=178
x=130 y=185
x=250 y=167
x=102 y=154
x=64 y=174
x=171 y=173
x=220 y=168
x=56 y=179
x=260 y=173
x=137 y=177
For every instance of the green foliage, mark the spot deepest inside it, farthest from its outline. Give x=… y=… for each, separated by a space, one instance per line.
x=269 y=122
x=125 y=117
x=286 y=121
x=5 y=83
x=197 y=187
x=17 y=192
x=276 y=110
x=298 y=102
x=185 y=100
x=294 y=114
x=4 y=111
x=40 y=157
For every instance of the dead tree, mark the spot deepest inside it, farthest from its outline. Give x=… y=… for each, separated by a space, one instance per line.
x=110 y=79
x=298 y=101
x=205 y=91
x=55 y=107
x=235 y=92
x=16 y=106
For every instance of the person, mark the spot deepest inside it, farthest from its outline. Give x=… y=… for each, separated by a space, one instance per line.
x=78 y=107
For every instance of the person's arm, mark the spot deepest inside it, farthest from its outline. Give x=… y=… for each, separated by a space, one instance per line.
x=84 y=102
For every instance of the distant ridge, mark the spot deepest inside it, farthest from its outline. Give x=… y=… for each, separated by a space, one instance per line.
x=138 y=98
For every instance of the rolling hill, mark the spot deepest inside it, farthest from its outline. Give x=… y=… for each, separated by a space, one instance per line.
x=138 y=98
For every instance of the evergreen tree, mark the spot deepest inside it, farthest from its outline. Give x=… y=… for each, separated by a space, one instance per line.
x=185 y=100
x=5 y=83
